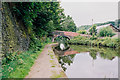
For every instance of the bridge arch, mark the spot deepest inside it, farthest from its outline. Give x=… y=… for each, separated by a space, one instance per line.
x=61 y=37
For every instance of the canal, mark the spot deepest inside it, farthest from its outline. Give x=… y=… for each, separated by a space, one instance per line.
x=79 y=61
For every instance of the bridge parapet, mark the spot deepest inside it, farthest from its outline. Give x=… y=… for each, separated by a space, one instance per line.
x=67 y=34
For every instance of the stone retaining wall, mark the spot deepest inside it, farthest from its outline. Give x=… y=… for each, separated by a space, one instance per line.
x=14 y=36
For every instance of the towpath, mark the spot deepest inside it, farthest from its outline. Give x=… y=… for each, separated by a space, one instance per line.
x=47 y=65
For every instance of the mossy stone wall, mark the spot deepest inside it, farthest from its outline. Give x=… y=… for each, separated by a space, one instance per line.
x=14 y=36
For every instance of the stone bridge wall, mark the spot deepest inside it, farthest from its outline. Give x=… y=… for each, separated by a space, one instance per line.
x=70 y=35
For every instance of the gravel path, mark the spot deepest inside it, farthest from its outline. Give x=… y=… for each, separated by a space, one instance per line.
x=46 y=65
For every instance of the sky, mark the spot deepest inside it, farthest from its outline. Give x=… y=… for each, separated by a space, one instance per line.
x=83 y=12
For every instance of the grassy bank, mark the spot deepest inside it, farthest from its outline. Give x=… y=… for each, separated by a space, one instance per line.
x=18 y=64
x=94 y=41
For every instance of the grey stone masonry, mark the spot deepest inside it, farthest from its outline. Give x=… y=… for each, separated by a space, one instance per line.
x=0 y=37
x=0 y=29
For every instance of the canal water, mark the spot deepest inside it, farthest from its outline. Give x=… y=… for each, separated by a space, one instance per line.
x=88 y=62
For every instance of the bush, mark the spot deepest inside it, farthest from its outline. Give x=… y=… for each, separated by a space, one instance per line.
x=93 y=30
x=94 y=41
x=93 y=37
x=82 y=32
x=106 y=31
x=18 y=64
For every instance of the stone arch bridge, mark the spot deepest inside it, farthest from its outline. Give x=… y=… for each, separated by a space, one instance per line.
x=66 y=34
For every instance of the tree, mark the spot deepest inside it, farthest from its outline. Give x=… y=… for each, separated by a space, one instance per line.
x=82 y=31
x=68 y=24
x=39 y=17
x=93 y=30
x=106 y=31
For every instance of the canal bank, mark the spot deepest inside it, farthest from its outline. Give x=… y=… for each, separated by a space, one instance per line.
x=47 y=65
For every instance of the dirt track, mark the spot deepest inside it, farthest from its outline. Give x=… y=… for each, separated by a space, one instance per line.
x=46 y=65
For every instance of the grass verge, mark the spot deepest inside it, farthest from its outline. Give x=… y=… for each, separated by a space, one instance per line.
x=19 y=65
x=92 y=41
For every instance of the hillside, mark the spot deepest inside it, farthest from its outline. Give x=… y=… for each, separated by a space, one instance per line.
x=86 y=27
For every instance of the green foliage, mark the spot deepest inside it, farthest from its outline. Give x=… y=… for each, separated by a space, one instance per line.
x=82 y=32
x=40 y=17
x=105 y=53
x=93 y=30
x=106 y=31
x=10 y=57
x=61 y=39
x=93 y=53
x=35 y=44
x=66 y=60
x=105 y=23
x=93 y=37
x=20 y=67
x=68 y=24
x=107 y=42
x=18 y=64
x=84 y=27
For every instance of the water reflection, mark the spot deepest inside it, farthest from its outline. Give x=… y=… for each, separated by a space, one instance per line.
x=65 y=52
x=66 y=60
x=105 y=53
x=100 y=62
x=66 y=57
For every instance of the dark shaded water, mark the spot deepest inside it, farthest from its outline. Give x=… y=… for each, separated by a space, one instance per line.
x=89 y=62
